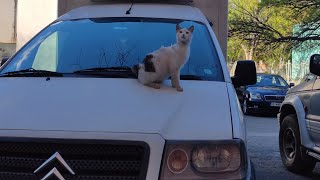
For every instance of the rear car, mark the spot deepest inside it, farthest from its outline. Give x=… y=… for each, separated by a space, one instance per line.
x=299 y=117
x=265 y=96
x=74 y=110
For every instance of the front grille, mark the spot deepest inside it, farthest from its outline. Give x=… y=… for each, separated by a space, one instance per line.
x=274 y=98
x=90 y=160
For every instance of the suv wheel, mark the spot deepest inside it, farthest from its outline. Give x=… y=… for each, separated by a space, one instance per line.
x=290 y=147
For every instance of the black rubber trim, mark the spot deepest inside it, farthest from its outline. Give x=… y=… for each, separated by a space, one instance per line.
x=146 y=158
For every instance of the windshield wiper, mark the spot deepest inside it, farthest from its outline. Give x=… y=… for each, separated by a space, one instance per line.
x=123 y=72
x=191 y=77
x=111 y=72
x=105 y=69
x=31 y=73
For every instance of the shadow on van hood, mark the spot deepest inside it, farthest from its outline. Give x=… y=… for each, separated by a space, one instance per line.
x=201 y=112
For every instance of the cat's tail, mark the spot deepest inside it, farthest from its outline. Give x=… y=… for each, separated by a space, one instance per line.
x=135 y=69
x=148 y=64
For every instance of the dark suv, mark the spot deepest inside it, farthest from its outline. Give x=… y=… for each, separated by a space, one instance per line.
x=299 y=117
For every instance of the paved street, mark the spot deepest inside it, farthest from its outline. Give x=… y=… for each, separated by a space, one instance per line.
x=264 y=151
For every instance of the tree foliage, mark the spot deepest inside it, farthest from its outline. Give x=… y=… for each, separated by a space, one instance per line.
x=307 y=12
x=273 y=20
x=268 y=29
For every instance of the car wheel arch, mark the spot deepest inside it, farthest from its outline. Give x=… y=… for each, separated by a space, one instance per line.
x=286 y=110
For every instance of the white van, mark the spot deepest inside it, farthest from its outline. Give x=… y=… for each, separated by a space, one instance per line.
x=72 y=109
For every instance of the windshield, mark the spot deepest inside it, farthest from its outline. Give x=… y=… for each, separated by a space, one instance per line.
x=270 y=80
x=70 y=46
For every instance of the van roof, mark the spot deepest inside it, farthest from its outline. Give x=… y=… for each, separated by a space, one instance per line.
x=166 y=11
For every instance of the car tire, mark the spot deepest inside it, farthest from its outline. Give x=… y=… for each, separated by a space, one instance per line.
x=245 y=108
x=290 y=147
x=253 y=172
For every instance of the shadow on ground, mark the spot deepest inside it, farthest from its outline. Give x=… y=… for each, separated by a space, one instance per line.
x=264 y=151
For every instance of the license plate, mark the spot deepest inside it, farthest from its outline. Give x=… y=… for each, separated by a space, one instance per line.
x=276 y=104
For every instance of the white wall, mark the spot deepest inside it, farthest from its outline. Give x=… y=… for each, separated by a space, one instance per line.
x=7 y=21
x=33 y=16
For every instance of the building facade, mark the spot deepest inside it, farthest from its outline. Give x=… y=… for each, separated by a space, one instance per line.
x=301 y=57
x=8 y=12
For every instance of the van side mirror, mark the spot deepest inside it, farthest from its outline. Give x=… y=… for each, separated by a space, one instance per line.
x=315 y=64
x=245 y=74
x=291 y=85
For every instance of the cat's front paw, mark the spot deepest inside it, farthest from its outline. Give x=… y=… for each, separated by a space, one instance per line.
x=179 y=89
x=154 y=85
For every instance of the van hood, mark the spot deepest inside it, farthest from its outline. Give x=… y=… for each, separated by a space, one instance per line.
x=201 y=112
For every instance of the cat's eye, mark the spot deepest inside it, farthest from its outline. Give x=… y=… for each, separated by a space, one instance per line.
x=187 y=32
x=180 y=31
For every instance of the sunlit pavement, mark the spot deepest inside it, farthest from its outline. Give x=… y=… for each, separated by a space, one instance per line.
x=264 y=150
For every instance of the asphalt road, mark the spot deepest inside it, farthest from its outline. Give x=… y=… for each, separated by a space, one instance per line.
x=264 y=151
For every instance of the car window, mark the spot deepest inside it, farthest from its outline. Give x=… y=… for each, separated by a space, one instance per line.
x=282 y=82
x=270 y=80
x=46 y=56
x=70 y=46
x=307 y=77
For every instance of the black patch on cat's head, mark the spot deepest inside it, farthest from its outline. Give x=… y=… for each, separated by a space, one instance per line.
x=148 y=64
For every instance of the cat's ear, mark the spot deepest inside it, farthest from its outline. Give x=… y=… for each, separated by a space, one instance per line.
x=178 y=27
x=191 y=29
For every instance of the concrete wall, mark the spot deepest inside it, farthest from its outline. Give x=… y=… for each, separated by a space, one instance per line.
x=7 y=21
x=217 y=12
x=65 y=6
x=32 y=16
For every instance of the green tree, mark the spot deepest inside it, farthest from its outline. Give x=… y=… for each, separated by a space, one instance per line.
x=237 y=19
x=276 y=18
x=253 y=28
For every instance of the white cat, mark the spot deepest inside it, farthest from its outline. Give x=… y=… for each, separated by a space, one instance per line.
x=167 y=61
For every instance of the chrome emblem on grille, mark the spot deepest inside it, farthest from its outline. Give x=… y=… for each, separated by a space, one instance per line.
x=54 y=171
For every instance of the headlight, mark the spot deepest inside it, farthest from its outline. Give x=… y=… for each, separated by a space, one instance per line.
x=255 y=96
x=216 y=158
x=204 y=160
